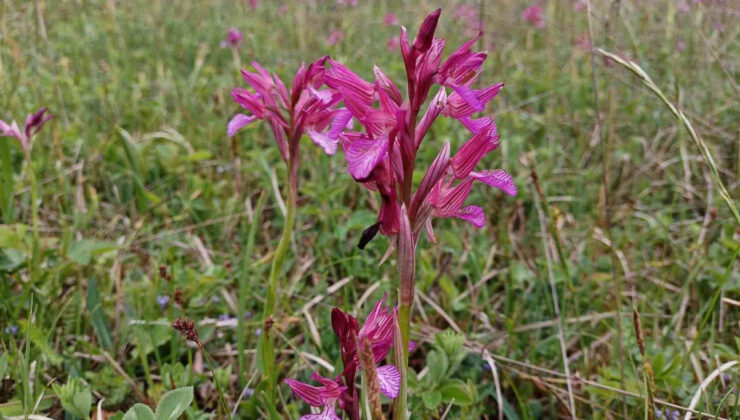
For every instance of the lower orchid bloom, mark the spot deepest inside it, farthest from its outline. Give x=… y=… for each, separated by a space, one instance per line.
x=325 y=396
x=361 y=347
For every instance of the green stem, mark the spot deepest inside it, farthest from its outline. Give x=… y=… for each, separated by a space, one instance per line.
x=404 y=323
x=266 y=345
x=36 y=251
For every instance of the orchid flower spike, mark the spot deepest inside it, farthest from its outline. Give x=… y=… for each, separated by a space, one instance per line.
x=382 y=157
x=33 y=125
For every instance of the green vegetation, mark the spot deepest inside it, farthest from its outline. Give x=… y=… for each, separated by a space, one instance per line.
x=147 y=212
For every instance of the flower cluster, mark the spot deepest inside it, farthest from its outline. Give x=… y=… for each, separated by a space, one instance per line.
x=305 y=109
x=376 y=334
x=383 y=156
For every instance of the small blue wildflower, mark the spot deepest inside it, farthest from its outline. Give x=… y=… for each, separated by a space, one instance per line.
x=258 y=332
x=658 y=413
x=248 y=392
x=486 y=367
x=225 y=317
x=11 y=329
x=163 y=301
x=247 y=315
x=214 y=299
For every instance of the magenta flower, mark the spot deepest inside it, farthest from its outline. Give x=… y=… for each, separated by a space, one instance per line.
x=377 y=334
x=352 y=3
x=382 y=157
x=390 y=19
x=234 y=37
x=283 y=9
x=306 y=109
x=334 y=37
x=33 y=125
x=534 y=15
x=579 y=5
x=325 y=396
x=394 y=44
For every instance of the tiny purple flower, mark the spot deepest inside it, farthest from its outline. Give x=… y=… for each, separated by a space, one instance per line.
x=11 y=329
x=163 y=301
x=258 y=332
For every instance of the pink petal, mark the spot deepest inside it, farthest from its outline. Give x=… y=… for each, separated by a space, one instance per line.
x=389 y=379
x=322 y=95
x=473 y=150
x=435 y=172
x=310 y=394
x=435 y=107
x=364 y=154
x=341 y=121
x=387 y=84
x=412 y=346
x=426 y=32
x=326 y=142
x=327 y=413
x=472 y=214
x=457 y=107
x=237 y=123
x=470 y=97
x=447 y=201
x=498 y=179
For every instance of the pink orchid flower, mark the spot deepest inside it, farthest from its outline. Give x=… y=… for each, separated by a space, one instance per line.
x=383 y=157
x=33 y=125
x=534 y=15
x=234 y=37
x=334 y=37
x=306 y=109
x=325 y=396
x=377 y=333
x=390 y=19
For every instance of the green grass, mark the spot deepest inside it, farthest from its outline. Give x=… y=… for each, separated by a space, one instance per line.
x=136 y=172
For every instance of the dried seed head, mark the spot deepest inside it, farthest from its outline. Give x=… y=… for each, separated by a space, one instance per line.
x=367 y=359
x=162 y=271
x=187 y=328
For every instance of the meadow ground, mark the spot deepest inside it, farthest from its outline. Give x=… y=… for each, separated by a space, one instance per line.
x=145 y=207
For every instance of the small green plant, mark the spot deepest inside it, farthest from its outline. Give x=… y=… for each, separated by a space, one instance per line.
x=75 y=397
x=438 y=385
x=170 y=407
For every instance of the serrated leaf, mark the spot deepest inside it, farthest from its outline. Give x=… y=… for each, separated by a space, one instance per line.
x=139 y=412
x=174 y=403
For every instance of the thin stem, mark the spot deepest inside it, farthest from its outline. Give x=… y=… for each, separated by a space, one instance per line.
x=266 y=347
x=402 y=360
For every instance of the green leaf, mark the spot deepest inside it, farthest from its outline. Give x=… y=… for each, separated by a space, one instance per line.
x=431 y=399
x=174 y=403
x=75 y=397
x=437 y=363
x=457 y=392
x=3 y=365
x=83 y=251
x=139 y=412
x=94 y=306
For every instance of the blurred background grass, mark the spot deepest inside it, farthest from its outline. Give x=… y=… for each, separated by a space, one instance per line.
x=137 y=173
